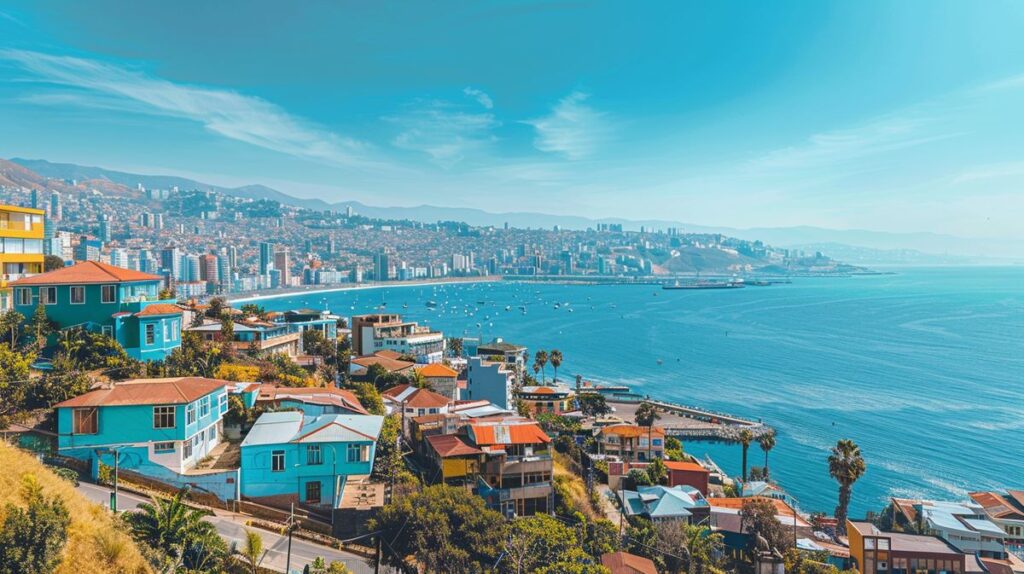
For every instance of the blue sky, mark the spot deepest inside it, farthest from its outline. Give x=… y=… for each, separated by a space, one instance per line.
x=874 y=115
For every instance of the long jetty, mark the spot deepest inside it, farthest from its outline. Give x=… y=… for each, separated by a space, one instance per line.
x=694 y=423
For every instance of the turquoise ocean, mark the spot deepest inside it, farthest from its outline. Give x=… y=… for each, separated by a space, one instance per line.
x=923 y=368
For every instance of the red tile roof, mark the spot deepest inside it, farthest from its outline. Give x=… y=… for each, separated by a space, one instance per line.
x=447 y=445
x=500 y=434
x=86 y=272
x=996 y=506
x=172 y=391
x=389 y=364
x=159 y=309
x=687 y=466
x=417 y=399
x=631 y=430
x=626 y=563
x=388 y=354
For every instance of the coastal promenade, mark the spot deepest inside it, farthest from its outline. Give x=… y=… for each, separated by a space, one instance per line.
x=688 y=422
x=247 y=296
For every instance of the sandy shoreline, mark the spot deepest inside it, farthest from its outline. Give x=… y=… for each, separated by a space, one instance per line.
x=278 y=294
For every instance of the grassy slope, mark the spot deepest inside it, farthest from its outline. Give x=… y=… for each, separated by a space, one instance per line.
x=95 y=545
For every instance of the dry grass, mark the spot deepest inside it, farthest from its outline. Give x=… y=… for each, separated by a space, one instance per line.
x=95 y=544
x=574 y=488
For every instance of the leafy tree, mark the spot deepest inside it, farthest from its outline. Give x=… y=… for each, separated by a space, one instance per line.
x=757 y=517
x=593 y=404
x=540 y=541
x=845 y=465
x=39 y=328
x=52 y=263
x=767 y=442
x=237 y=372
x=745 y=438
x=63 y=382
x=445 y=529
x=645 y=416
x=227 y=336
x=674 y=449
x=657 y=472
x=179 y=531
x=320 y=566
x=252 y=551
x=253 y=310
x=541 y=360
x=556 y=361
x=87 y=350
x=32 y=539
x=218 y=305
x=14 y=371
x=388 y=462
x=10 y=327
x=167 y=294
x=455 y=346
x=640 y=477
x=688 y=548
x=369 y=397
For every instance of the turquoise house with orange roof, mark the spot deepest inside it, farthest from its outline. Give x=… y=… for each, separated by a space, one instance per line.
x=121 y=303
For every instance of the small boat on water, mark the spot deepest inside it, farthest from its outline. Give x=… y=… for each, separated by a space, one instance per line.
x=431 y=304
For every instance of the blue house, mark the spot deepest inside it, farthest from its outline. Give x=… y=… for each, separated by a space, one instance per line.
x=158 y=428
x=121 y=303
x=288 y=457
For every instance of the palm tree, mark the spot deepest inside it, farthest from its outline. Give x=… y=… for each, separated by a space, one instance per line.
x=556 y=361
x=767 y=442
x=541 y=358
x=846 y=465
x=645 y=416
x=745 y=438
x=169 y=525
x=253 y=552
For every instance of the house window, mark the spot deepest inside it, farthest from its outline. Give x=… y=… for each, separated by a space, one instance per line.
x=48 y=295
x=313 y=492
x=77 y=294
x=167 y=330
x=358 y=453
x=163 y=417
x=277 y=461
x=190 y=414
x=108 y=330
x=204 y=406
x=186 y=449
x=85 y=421
x=313 y=454
x=213 y=433
x=175 y=330
x=23 y=295
x=223 y=403
x=108 y=293
x=162 y=447
x=150 y=333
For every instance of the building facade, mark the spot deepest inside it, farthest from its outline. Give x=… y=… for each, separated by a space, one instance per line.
x=489 y=381
x=387 y=331
x=21 y=247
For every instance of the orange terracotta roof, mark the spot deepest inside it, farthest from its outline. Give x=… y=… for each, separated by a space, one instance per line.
x=687 y=466
x=626 y=563
x=438 y=370
x=501 y=434
x=172 y=391
x=159 y=309
x=736 y=503
x=391 y=365
x=446 y=445
x=87 y=272
x=631 y=431
x=388 y=354
x=312 y=395
x=394 y=391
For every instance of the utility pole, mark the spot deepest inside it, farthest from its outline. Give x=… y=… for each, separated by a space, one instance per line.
x=376 y=563
x=291 y=526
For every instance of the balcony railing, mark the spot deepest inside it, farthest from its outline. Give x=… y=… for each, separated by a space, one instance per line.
x=10 y=225
x=524 y=465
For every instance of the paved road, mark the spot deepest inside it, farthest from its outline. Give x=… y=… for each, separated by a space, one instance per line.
x=232 y=528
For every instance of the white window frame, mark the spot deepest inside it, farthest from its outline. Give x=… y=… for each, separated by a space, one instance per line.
x=314 y=454
x=163 y=447
x=103 y=293
x=222 y=403
x=48 y=300
x=20 y=297
x=204 y=407
x=71 y=294
x=361 y=451
x=190 y=414
x=274 y=456
x=163 y=411
x=107 y=330
x=149 y=334
x=186 y=449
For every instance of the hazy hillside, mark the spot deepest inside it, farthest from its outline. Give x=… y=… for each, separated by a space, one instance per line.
x=95 y=544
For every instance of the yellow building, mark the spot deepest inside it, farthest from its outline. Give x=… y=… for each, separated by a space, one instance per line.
x=21 y=247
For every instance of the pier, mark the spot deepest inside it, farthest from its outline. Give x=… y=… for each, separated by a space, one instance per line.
x=689 y=422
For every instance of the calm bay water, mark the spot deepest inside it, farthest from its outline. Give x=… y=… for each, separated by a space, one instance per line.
x=924 y=369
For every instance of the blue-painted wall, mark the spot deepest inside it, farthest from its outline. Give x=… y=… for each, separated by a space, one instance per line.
x=258 y=480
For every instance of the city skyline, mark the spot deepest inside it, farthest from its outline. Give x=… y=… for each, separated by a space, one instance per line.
x=872 y=116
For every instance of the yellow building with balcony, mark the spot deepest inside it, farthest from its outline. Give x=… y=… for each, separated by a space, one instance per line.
x=21 y=247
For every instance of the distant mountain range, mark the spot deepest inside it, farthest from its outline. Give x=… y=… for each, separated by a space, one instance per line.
x=868 y=246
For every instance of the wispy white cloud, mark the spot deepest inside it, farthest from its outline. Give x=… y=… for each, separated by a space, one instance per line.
x=874 y=137
x=480 y=96
x=573 y=129
x=444 y=131
x=244 y=118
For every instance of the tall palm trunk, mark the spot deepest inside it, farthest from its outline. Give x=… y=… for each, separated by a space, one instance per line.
x=845 y=489
x=745 y=447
